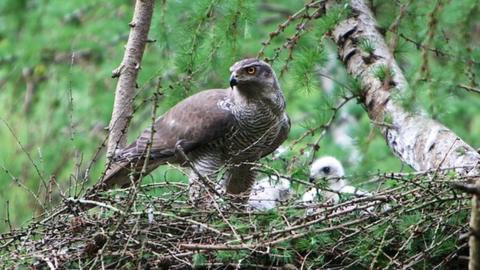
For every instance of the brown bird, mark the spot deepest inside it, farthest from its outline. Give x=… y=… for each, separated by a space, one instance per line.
x=216 y=129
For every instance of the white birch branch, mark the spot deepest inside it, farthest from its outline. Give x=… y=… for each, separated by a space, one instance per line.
x=416 y=139
x=127 y=74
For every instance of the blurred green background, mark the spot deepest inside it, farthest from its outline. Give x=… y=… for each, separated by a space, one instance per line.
x=56 y=90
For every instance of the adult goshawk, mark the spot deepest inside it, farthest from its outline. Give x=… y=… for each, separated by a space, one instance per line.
x=218 y=130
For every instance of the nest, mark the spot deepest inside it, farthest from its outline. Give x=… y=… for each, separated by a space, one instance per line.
x=411 y=221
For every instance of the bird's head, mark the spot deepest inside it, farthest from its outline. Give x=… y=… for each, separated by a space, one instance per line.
x=252 y=76
x=328 y=168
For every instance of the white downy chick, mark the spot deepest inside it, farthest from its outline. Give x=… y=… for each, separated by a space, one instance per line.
x=330 y=169
x=269 y=192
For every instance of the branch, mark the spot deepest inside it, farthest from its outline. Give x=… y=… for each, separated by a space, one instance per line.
x=468 y=188
x=92 y=202
x=417 y=140
x=127 y=74
x=469 y=88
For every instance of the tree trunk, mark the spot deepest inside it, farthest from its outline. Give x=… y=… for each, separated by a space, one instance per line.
x=127 y=74
x=416 y=139
x=474 y=242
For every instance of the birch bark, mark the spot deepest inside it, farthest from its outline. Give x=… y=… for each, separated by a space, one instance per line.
x=416 y=139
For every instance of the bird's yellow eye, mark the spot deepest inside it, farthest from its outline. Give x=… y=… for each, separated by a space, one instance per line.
x=251 y=70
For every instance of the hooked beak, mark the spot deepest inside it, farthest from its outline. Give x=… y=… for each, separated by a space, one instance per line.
x=233 y=81
x=311 y=179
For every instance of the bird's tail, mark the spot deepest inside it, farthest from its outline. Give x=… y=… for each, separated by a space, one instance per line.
x=117 y=175
x=120 y=175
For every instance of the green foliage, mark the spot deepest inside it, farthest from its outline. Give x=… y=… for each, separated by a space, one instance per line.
x=367 y=46
x=312 y=242
x=227 y=256
x=199 y=260
x=282 y=254
x=383 y=72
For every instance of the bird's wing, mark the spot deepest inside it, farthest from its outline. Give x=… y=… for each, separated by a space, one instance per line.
x=196 y=120
x=193 y=122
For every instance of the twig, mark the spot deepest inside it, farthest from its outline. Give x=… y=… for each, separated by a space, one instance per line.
x=92 y=202
x=470 y=88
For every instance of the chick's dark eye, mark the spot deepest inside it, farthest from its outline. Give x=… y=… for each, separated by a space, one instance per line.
x=251 y=70
x=326 y=170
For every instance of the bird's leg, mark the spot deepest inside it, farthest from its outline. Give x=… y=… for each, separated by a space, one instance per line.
x=202 y=191
x=239 y=180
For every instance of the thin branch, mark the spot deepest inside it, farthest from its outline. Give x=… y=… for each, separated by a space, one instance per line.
x=92 y=202
x=470 y=88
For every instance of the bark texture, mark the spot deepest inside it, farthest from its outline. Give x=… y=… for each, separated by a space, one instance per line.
x=474 y=242
x=127 y=74
x=416 y=139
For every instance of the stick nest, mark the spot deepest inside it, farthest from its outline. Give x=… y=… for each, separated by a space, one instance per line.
x=411 y=221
